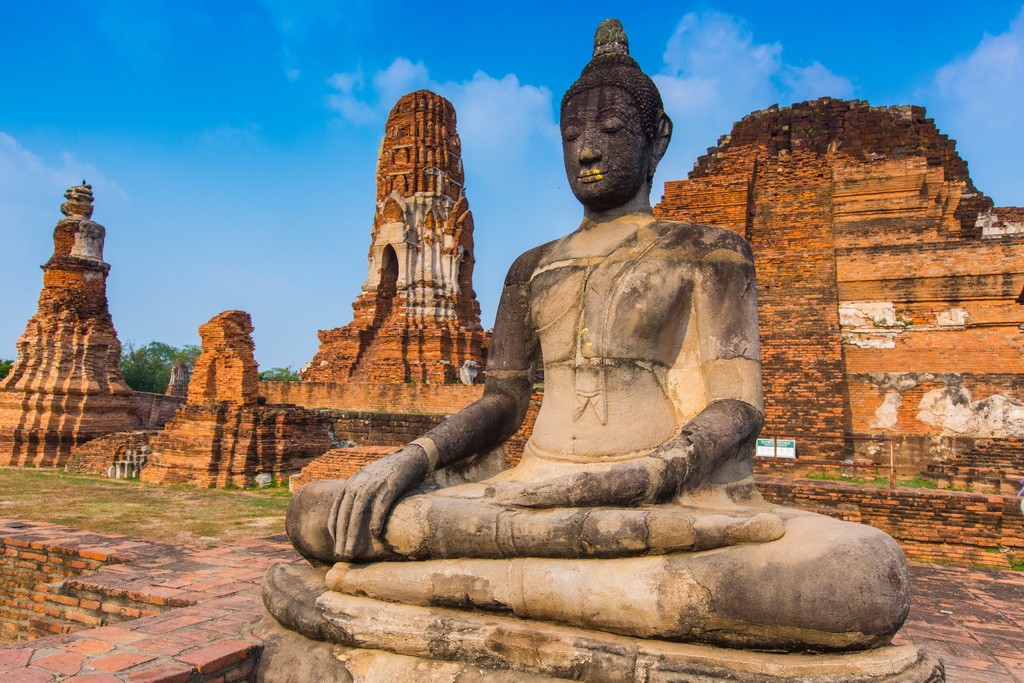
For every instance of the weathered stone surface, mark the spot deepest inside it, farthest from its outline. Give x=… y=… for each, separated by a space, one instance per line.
x=875 y=255
x=224 y=435
x=417 y=318
x=632 y=512
x=66 y=386
x=362 y=629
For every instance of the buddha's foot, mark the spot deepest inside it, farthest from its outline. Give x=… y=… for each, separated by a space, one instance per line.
x=438 y=525
x=343 y=637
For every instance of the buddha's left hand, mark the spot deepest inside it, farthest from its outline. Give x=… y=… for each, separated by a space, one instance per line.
x=652 y=479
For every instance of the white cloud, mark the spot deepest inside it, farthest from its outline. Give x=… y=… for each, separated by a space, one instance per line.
x=715 y=73
x=501 y=114
x=808 y=82
x=714 y=49
x=401 y=77
x=346 y=101
x=978 y=100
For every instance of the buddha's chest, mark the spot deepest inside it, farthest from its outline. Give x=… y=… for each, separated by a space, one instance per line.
x=607 y=308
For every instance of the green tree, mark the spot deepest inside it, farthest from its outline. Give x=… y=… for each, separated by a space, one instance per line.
x=148 y=368
x=5 y=367
x=280 y=375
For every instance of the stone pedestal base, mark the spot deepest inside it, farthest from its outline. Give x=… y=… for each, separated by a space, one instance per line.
x=316 y=634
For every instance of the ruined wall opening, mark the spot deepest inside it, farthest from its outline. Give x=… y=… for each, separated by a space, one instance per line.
x=388 y=288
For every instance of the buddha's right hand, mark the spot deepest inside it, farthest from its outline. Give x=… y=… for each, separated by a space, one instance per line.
x=361 y=511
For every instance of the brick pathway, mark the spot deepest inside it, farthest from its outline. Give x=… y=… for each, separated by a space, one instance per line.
x=973 y=619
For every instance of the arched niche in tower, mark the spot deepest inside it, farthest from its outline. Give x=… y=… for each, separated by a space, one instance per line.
x=388 y=274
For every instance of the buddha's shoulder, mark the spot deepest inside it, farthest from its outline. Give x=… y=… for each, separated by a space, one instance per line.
x=523 y=267
x=698 y=241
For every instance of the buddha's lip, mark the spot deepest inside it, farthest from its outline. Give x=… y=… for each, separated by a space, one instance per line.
x=591 y=176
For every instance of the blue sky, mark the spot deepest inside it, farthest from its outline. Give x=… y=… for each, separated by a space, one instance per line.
x=232 y=145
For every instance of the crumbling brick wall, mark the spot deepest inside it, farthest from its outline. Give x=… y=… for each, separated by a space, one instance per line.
x=953 y=527
x=41 y=597
x=225 y=435
x=226 y=369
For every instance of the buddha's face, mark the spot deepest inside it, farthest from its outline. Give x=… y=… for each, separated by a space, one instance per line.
x=607 y=156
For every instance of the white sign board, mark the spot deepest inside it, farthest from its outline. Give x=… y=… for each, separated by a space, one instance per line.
x=776 y=448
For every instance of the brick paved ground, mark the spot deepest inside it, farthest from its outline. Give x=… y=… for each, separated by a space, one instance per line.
x=973 y=619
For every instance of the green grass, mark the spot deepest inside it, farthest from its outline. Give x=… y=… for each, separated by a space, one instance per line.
x=172 y=514
x=916 y=482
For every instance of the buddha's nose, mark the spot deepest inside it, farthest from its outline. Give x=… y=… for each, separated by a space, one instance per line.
x=589 y=154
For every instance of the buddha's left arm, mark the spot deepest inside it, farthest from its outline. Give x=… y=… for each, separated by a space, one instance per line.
x=716 y=441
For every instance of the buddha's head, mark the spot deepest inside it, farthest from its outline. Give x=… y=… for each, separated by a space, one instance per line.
x=614 y=128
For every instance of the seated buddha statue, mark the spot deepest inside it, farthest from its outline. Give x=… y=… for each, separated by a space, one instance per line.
x=633 y=510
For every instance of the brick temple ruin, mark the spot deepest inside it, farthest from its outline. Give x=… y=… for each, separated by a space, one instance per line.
x=66 y=386
x=225 y=434
x=417 y=318
x=888 y=282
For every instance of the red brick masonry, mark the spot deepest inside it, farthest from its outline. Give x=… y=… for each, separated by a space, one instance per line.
x=954 y=527
x=102 y=580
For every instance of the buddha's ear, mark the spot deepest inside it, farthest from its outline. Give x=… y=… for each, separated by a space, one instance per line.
x=662 y=136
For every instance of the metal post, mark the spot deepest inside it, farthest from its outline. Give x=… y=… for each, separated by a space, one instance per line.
x=892 y=468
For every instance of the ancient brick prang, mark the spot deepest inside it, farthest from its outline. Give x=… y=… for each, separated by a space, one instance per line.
x=417 y=318
x=66 y=386
x=886 y=279
x=224 y=435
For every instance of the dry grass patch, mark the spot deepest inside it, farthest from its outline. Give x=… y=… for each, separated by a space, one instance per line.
x=171 y=514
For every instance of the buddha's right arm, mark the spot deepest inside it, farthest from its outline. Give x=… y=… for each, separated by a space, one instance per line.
x=355 y=512
x=496 y=416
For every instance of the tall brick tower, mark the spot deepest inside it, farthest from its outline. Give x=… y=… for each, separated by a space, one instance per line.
x=66 y=386
x=886 y=279
x=417 y=318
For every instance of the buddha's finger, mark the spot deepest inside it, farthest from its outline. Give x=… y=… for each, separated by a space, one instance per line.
x=557 y=493
x=341 y=522
x=717 y=530
x=358 y=526
x=379 y=509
